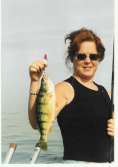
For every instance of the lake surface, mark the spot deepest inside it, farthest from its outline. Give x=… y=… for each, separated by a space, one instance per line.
x=16 y=129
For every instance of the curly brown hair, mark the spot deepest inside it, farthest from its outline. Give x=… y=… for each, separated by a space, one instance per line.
x=79 y=36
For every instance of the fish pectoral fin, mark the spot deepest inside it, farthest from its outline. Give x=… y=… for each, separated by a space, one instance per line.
x=50 y=130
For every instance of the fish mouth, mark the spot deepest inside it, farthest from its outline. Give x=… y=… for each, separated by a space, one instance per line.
x=45 y=76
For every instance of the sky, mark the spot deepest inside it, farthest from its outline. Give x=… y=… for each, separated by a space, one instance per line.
x=31 y=28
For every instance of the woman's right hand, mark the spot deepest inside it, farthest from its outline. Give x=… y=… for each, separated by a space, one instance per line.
x=36 y=69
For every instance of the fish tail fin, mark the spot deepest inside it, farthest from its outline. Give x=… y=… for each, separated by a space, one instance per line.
x=42 y=144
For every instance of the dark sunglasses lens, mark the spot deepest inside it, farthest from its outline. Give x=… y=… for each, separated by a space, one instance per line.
x=93 y=56
x=81 y=56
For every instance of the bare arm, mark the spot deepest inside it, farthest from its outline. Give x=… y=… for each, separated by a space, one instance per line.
x=35 y=71
x=34 y=88
x=64 y=93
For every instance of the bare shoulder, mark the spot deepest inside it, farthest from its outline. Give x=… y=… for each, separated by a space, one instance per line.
x=64 y=88
x=64 y=94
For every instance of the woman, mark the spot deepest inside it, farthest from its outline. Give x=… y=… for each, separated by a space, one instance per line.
x=82 y=105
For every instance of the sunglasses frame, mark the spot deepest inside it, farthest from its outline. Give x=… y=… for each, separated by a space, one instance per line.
x=92 y=56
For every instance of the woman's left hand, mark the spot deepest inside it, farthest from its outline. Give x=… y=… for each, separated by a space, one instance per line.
x=110 y=126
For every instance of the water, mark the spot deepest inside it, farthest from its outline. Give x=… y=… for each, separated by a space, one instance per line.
x=16 y=129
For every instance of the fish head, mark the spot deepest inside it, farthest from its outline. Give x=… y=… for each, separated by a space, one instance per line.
x=47 y=84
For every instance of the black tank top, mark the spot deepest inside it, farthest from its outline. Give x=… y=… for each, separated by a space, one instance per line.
x=83 y=124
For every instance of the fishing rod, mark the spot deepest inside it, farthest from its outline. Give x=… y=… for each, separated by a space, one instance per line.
x=111 y=151
x=112 y=83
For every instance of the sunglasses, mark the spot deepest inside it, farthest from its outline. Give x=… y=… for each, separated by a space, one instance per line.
x=92 y=56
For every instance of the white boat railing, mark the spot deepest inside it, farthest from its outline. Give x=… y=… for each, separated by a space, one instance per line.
x=35 y=154
x=9 y=155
